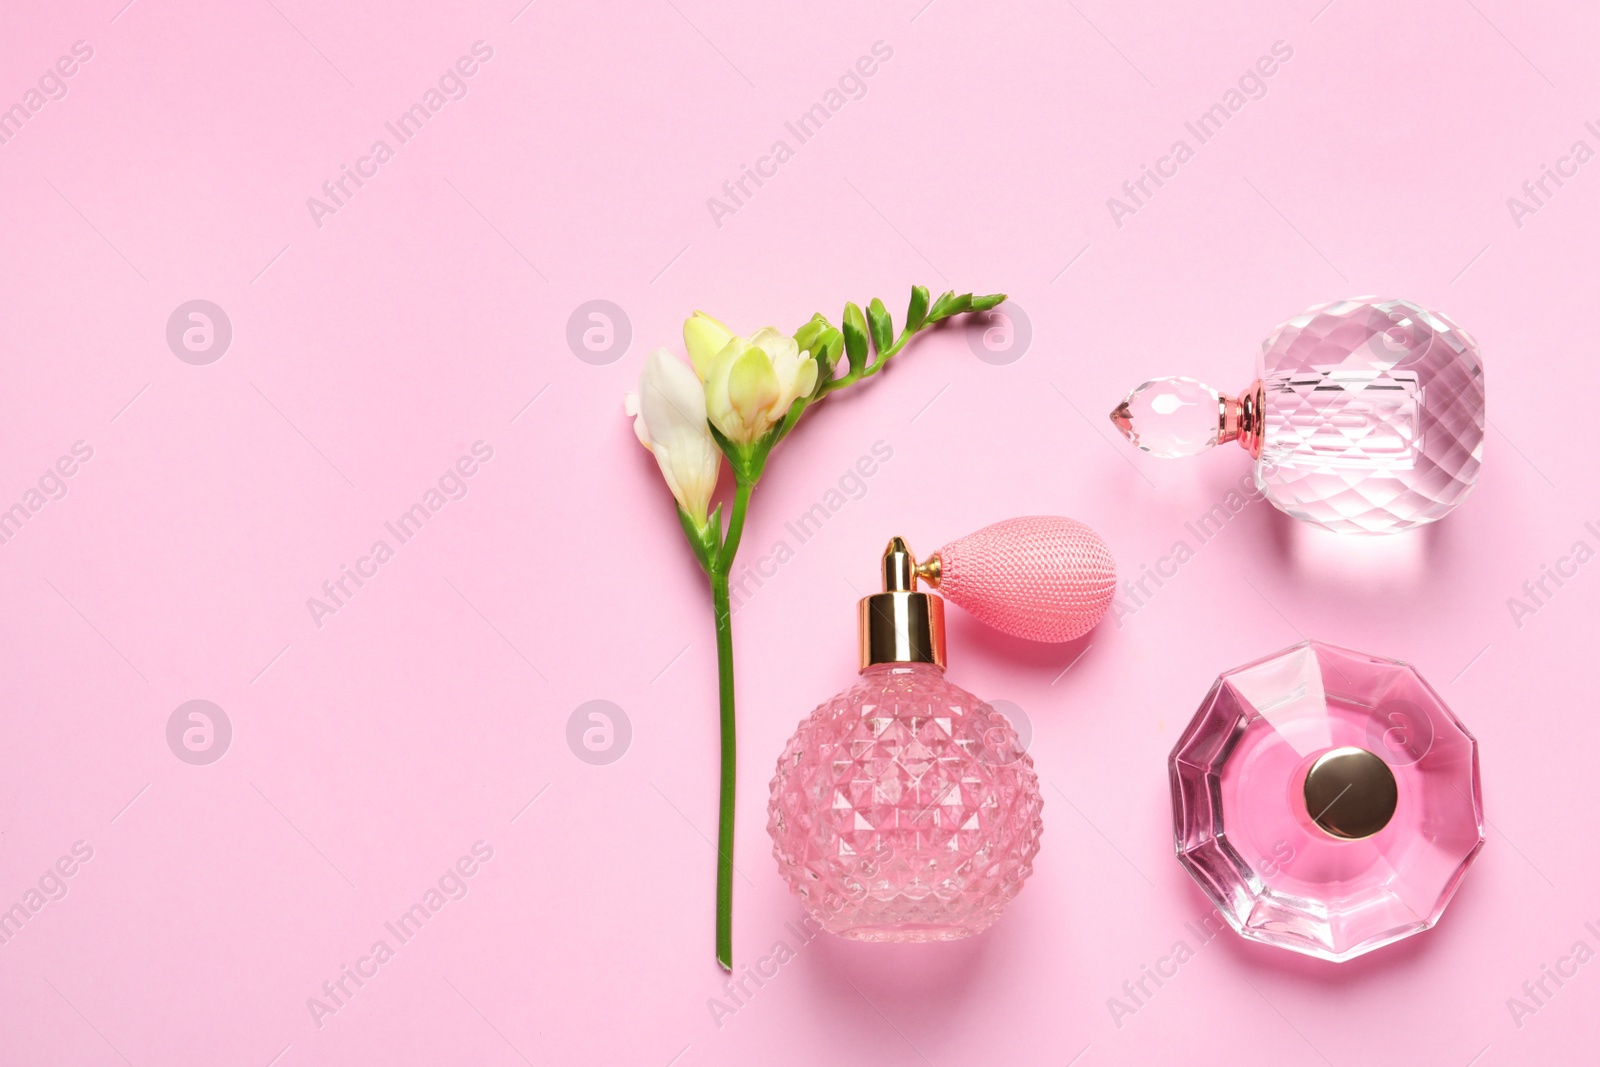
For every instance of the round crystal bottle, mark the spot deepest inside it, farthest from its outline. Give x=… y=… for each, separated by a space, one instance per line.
x=1326 y=801
x=1366 y=416
x=904 y=809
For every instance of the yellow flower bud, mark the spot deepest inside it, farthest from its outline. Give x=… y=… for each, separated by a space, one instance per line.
x=751 y=382
x=704 y=337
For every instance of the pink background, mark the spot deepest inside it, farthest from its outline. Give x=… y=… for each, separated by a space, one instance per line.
x=430 y=312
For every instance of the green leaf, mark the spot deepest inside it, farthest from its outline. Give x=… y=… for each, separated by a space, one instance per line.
x=806 y=336
x=917 y=313
x=746 y=460
x=881 y=325
x=950 y=304
x=855 y=338
x=984 y=303
x=829 y=344
x=824 y=343
x=796 y=409
x=705 y=542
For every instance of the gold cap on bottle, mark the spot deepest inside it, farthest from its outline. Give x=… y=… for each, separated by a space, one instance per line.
x=901 y=625
x=1350 y=793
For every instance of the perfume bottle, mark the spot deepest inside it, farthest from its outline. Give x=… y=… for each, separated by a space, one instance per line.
x=1327 y=801
x=905 y=808
x=1366 y=416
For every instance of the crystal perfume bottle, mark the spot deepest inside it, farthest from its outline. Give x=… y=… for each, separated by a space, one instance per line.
x=905 y=808
x=1366 y=416
x=1327 y=801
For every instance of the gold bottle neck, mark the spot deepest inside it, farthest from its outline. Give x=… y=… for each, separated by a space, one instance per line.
x=1240 y=418
x=900 y=624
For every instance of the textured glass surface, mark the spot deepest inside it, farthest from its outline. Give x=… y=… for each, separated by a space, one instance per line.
x=1239 y=811
x=905 y=809
x=1374 y=416
x=1170 y=417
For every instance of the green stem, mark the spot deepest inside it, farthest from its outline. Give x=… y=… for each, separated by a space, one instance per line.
x=879 y=359
x=730 y=543
x=720 y=606
x=723 y=611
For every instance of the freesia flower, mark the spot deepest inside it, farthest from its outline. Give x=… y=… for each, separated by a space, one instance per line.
x=704 y=337
x=752 y=381
x=739 y=392
x=670 y=419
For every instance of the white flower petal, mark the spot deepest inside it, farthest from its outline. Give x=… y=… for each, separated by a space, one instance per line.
x=672 y=424
x=630 y=407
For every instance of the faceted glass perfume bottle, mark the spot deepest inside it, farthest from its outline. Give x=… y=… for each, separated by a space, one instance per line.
x=1326 y=801
x=1366 y=416
x=905 y=809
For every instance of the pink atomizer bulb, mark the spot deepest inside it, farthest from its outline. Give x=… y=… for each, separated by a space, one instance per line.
x=905 y=808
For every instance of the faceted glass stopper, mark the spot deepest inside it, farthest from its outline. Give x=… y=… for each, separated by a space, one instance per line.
x=1326 y=801
x=1171 y=417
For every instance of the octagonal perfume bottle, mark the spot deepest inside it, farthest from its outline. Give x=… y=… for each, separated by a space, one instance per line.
x=1327 y=801
x=906 y=808
x=1366 y=416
